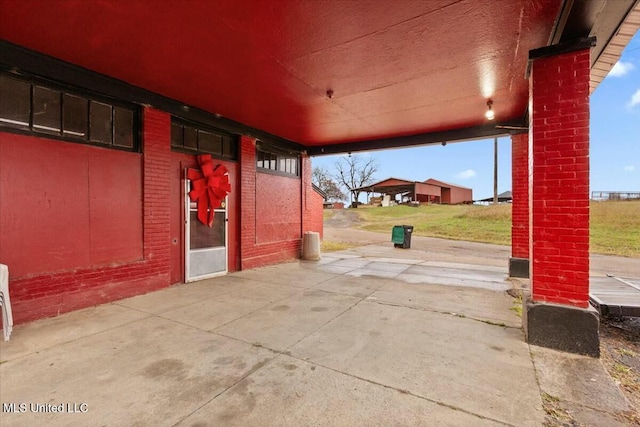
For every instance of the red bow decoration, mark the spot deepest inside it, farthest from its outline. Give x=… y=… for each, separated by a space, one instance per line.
x=209 y=187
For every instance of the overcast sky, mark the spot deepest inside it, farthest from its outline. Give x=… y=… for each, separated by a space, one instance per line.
x=615 y=144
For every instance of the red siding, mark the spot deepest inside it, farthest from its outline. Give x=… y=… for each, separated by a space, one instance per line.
x=446 y=196
x=61 y=290
x=560 y=185
x=44 y=190
x=392 y=182
x=452 y=194
x=50 y=187
x=460 y=195
x=427 y=190
x=520 y=192
x=115 y=204
x=179 y=161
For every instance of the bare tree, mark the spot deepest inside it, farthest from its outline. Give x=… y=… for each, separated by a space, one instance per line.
x=323 y=179
x=354 y=172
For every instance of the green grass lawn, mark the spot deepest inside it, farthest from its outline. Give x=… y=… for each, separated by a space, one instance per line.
x=615 y=226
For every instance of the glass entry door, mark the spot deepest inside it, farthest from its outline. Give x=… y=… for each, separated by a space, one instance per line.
x=205 y=248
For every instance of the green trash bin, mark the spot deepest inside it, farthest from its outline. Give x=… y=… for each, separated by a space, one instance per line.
x=401 y=236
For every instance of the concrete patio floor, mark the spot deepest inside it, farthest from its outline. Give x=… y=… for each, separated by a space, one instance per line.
x=377 y=336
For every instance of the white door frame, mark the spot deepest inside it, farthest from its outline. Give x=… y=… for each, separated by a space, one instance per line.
x=188 y=208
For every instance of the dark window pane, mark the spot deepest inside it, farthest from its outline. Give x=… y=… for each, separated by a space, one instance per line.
x=190 y=138
x=15 y=102
x=74 y=116
x=46 y=110
x=209 y=142
x=220 y=145
x=227 y=148
x=176 y=135
x=259 y=159
x=100 y=123
x=201 y=236
x=123 y=127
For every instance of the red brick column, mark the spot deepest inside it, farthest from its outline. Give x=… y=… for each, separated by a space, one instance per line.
x=306 y=189
x=557 y=314
x=519 y=261
x=312 y=202
x=156 y=194
x=560 y=186
x=247 y=199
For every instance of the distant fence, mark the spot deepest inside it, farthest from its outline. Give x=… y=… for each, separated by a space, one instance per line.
x=601 y=196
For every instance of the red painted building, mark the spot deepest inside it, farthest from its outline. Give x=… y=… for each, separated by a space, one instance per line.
x=105 y=105
x=429 y=191
x=89 y=223
x=452 y=194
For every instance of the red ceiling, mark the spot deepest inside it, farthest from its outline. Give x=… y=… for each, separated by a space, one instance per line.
x=396 y=67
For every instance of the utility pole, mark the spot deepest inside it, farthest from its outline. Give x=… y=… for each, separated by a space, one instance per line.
x=495 y=171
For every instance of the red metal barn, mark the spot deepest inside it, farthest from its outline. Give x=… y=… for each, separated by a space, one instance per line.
x=452 y=194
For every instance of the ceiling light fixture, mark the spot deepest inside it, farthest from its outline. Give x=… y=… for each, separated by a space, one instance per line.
x=489 y=114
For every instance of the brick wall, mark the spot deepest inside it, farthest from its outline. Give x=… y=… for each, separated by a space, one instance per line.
x=520 y=193
x=559 y=197
x=51 y=293
x=252 y=253
x=278 y=200
x=315 y=220
x=312 y=201
x=157 y=212
x=45 y=295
